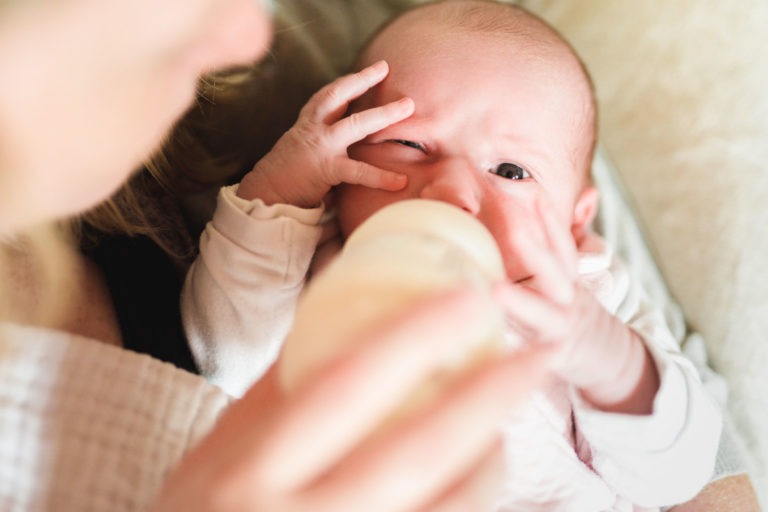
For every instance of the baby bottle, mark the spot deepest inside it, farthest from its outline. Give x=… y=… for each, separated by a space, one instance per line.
x=404 y=252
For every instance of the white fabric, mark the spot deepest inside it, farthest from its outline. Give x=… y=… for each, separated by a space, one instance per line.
x=241 y=291
x=88 y=427
x=654 y=460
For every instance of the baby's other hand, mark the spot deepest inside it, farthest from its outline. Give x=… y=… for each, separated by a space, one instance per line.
x=580 y=332
x=593 y=349
x=311 y=157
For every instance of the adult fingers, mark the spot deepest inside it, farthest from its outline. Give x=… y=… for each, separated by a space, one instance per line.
x=425 y=455
x=329 y=103
x=369 y=382
x=480 y=490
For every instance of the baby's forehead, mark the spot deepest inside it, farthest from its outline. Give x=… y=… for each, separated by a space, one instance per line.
x=473 y=21
x=477 y=24
x=478 y=16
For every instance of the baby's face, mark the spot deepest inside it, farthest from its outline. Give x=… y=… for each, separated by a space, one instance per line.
x=495 y=131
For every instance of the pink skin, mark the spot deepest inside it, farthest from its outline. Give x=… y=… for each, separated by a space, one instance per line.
x=425 y=125
x=311 y=157
x=259 y=456
x=462 y=136
x=526 y=113
x=74 y=122
x=83 y=100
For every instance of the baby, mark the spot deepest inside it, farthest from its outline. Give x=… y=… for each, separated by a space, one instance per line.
x=483 y=106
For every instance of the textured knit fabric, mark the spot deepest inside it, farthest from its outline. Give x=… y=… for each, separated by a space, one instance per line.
x=562 y=454
x=86 y=426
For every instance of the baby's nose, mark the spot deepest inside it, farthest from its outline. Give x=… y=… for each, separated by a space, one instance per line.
x=455 y=185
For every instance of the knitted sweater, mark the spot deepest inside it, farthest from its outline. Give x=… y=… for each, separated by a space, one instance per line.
x=86 y=426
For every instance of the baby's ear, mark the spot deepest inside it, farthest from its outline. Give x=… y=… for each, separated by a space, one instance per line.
x=584 y=212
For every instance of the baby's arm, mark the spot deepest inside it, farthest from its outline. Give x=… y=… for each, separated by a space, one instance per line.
x=594 y=350
x=660 y=448
x=667 y=456
x=240 y=294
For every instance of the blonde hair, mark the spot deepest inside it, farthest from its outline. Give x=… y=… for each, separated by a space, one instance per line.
x=185 y=163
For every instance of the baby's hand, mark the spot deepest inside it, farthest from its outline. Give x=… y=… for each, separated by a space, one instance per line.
x=311 y=157
x=593 y=350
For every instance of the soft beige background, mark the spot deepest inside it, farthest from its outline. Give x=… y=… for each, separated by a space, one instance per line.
x=683 y=88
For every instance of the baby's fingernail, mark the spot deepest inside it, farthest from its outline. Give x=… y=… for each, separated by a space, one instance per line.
x=399 y=180
x=406 y=104
x=380 y=66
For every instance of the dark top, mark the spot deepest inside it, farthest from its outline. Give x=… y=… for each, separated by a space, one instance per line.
x=146 y=290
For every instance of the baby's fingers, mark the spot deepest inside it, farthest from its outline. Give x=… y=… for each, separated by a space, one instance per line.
x=355 y=172
x=559 y=239
x=329 y=103
x=548 y=257
x=359 y=125
x=551 y=278
x=532 y=315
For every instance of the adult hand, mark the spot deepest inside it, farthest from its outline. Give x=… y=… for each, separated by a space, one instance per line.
x=89 y=88
x=314 y=450
x=311 y=157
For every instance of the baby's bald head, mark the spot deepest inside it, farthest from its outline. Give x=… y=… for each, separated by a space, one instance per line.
x=512 y=26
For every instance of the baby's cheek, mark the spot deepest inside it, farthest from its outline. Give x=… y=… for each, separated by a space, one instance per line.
x=355 y=203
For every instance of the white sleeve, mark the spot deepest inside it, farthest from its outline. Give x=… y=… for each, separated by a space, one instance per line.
x=239 y=296
x=666 y=457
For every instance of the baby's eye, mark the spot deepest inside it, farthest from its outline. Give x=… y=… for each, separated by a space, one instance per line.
x=510 y=171
x=410 y=144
